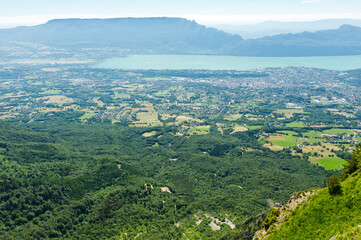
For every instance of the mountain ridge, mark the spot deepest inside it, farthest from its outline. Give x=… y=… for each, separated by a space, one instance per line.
x=165 y=35
x=271 y=28
x=346 y=40
x=157 y=34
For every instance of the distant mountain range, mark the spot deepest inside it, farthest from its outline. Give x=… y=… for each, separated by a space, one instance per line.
x=161 y=35
x=180 y=36
x=346 y=40
x=271 y=28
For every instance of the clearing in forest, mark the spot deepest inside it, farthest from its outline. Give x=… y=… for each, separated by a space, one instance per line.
x=332 y=163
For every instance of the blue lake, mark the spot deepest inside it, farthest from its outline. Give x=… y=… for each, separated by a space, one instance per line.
x=210 y=62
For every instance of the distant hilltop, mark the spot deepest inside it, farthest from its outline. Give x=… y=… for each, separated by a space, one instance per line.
x=181 y=36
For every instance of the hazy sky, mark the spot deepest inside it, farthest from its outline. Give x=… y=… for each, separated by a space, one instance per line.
x=209 y=12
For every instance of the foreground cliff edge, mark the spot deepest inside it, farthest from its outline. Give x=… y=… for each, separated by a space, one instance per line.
x=320 y=213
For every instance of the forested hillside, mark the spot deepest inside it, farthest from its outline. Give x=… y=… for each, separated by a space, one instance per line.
x=110 y=181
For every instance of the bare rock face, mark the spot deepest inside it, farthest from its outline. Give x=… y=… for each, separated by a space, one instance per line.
x=165 y=189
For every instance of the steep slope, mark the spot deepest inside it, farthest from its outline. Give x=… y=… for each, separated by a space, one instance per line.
x=321 y=215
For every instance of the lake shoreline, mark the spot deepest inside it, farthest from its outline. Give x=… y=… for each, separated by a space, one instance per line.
x=236 y=63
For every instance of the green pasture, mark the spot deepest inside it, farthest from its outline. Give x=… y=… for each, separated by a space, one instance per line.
x=332 y=163
x=336 y=131
x=296 y=124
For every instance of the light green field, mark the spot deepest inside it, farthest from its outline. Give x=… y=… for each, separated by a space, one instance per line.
x=87 y=115
x=312 y=134
x=359 y=139
x=314 y=137
x=336 y=131
x=296 y=124
x=200 y=129
x=162 y=93
x=253 y=127
x=289 y=141
x=332 y=163
x=286 y=140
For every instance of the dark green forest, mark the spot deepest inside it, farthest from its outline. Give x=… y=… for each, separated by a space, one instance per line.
x=65 y=180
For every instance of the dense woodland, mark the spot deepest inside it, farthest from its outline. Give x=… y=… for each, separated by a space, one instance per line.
x=104 y=181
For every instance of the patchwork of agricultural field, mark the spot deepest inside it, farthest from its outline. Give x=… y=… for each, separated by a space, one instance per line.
x=321 y=147
x=289 y=111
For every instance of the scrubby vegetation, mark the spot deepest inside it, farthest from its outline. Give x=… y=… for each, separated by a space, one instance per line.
x=271 y=218
x=334 y=185
x=332 y=213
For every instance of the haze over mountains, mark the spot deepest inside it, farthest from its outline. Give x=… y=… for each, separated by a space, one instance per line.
x=270 y=28
x=345 y=40
x=181 y=36
x=163 y=35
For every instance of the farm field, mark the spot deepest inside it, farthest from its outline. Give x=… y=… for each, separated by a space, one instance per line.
x=317 y=145
x=296 y=125
x=284 y=139
x=288 y=113
x=253 y=127
x=332 y=163
x=192 y=103
x=335 y=131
